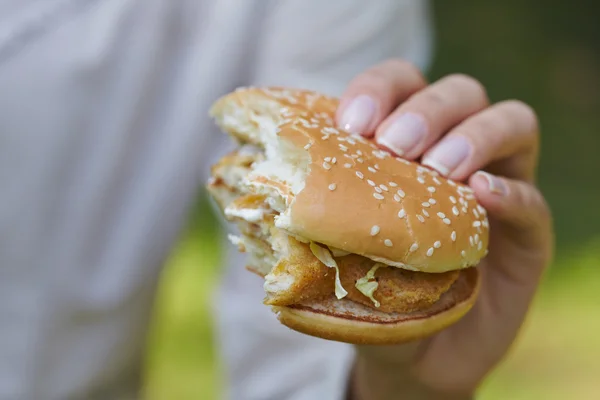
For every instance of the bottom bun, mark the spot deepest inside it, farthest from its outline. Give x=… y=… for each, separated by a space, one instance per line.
x=350 y=322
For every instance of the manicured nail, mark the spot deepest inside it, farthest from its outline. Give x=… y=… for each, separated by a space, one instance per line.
x=404 y=133
x=359 y=114
x=448 y=154
x=495 y=184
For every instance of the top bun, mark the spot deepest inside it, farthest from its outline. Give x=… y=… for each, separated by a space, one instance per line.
x=341 y=190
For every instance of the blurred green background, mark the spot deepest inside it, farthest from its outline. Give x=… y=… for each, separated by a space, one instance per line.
x=544 y=53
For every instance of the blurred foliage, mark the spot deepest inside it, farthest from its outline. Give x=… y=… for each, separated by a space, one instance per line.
x=546 y=55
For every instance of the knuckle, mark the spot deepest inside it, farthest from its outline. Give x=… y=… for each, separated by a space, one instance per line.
x=399 y=65
x=368 y=82
x=527 y=111
x=467 y=82
x=434 y=99
x=489 y=124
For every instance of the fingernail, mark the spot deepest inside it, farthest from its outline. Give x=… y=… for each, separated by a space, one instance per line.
x=404 y=133
x=358 y=114
x=448 y=154
x=495 y=184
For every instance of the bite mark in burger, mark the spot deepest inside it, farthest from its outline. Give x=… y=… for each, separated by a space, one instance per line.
x=354 y=244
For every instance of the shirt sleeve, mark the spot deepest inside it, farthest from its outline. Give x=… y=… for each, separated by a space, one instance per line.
x=319 y=45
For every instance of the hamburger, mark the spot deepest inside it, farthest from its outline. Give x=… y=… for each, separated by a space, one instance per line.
x=354 y=244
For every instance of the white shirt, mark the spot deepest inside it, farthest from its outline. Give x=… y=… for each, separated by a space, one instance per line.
x=104 y=142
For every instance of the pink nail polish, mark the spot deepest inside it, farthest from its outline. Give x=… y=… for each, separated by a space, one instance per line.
x=402 y=135
x=448 y=154
x=359 y=114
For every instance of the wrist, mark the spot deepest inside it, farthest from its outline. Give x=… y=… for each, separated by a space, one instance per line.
x=378 y=378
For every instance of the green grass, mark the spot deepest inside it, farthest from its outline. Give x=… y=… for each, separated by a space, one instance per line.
x=556 y=356
x=181 y=358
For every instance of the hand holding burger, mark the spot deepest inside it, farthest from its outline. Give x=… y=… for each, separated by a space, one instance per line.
x=368 y=220
x=449 y=125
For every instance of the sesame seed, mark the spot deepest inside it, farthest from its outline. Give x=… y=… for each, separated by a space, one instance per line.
x=431 y=189
x=414 y=247
x=421 y=180
x=373 y=170
x=453 y=199
x=326 y=165
x=471 y=240
x=447 y=221
x=332 y=186
x=401 y=213
x=481 y=209
x=384 y=187
x=430 y=252
x=441 y=215
x=323 y=137
x=375 y=230
x=347 y=165
x=370 y=182
x=307 y=146
x=359 y=152
x=476 y=224
x=360 y=174
x=453 y=236
x=342 y=147
x=401 y=193
x=485 y=223
x=333 y=160
x=425 y=213
x=393 y=184
x=436 y=180
x=360 y=160
x=378 y=196
x=327 y=159
x=351 y=141
x=476 y=238
x=437 y=244
x=463 y=253
x=348 y=156
x=376 y=166
x=420 y=218
x=432 y=201
x=425 y=204
x=388 y=243
x=464 y=209
x=451 y=182
x=377 y=189
x=455 y=210
x=479 y=245
x=397 y=198
x=475 y=213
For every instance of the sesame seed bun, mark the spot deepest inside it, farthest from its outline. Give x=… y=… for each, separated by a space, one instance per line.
x=343 y=191
x=324 y=185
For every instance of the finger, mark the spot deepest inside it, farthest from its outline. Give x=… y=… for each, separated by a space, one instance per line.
x=421 y=120
x=520 y=239
x=372 y=95
x=519 y=212
x=506 y=132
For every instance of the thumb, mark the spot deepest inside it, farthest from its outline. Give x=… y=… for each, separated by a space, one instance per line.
x=520 y=217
